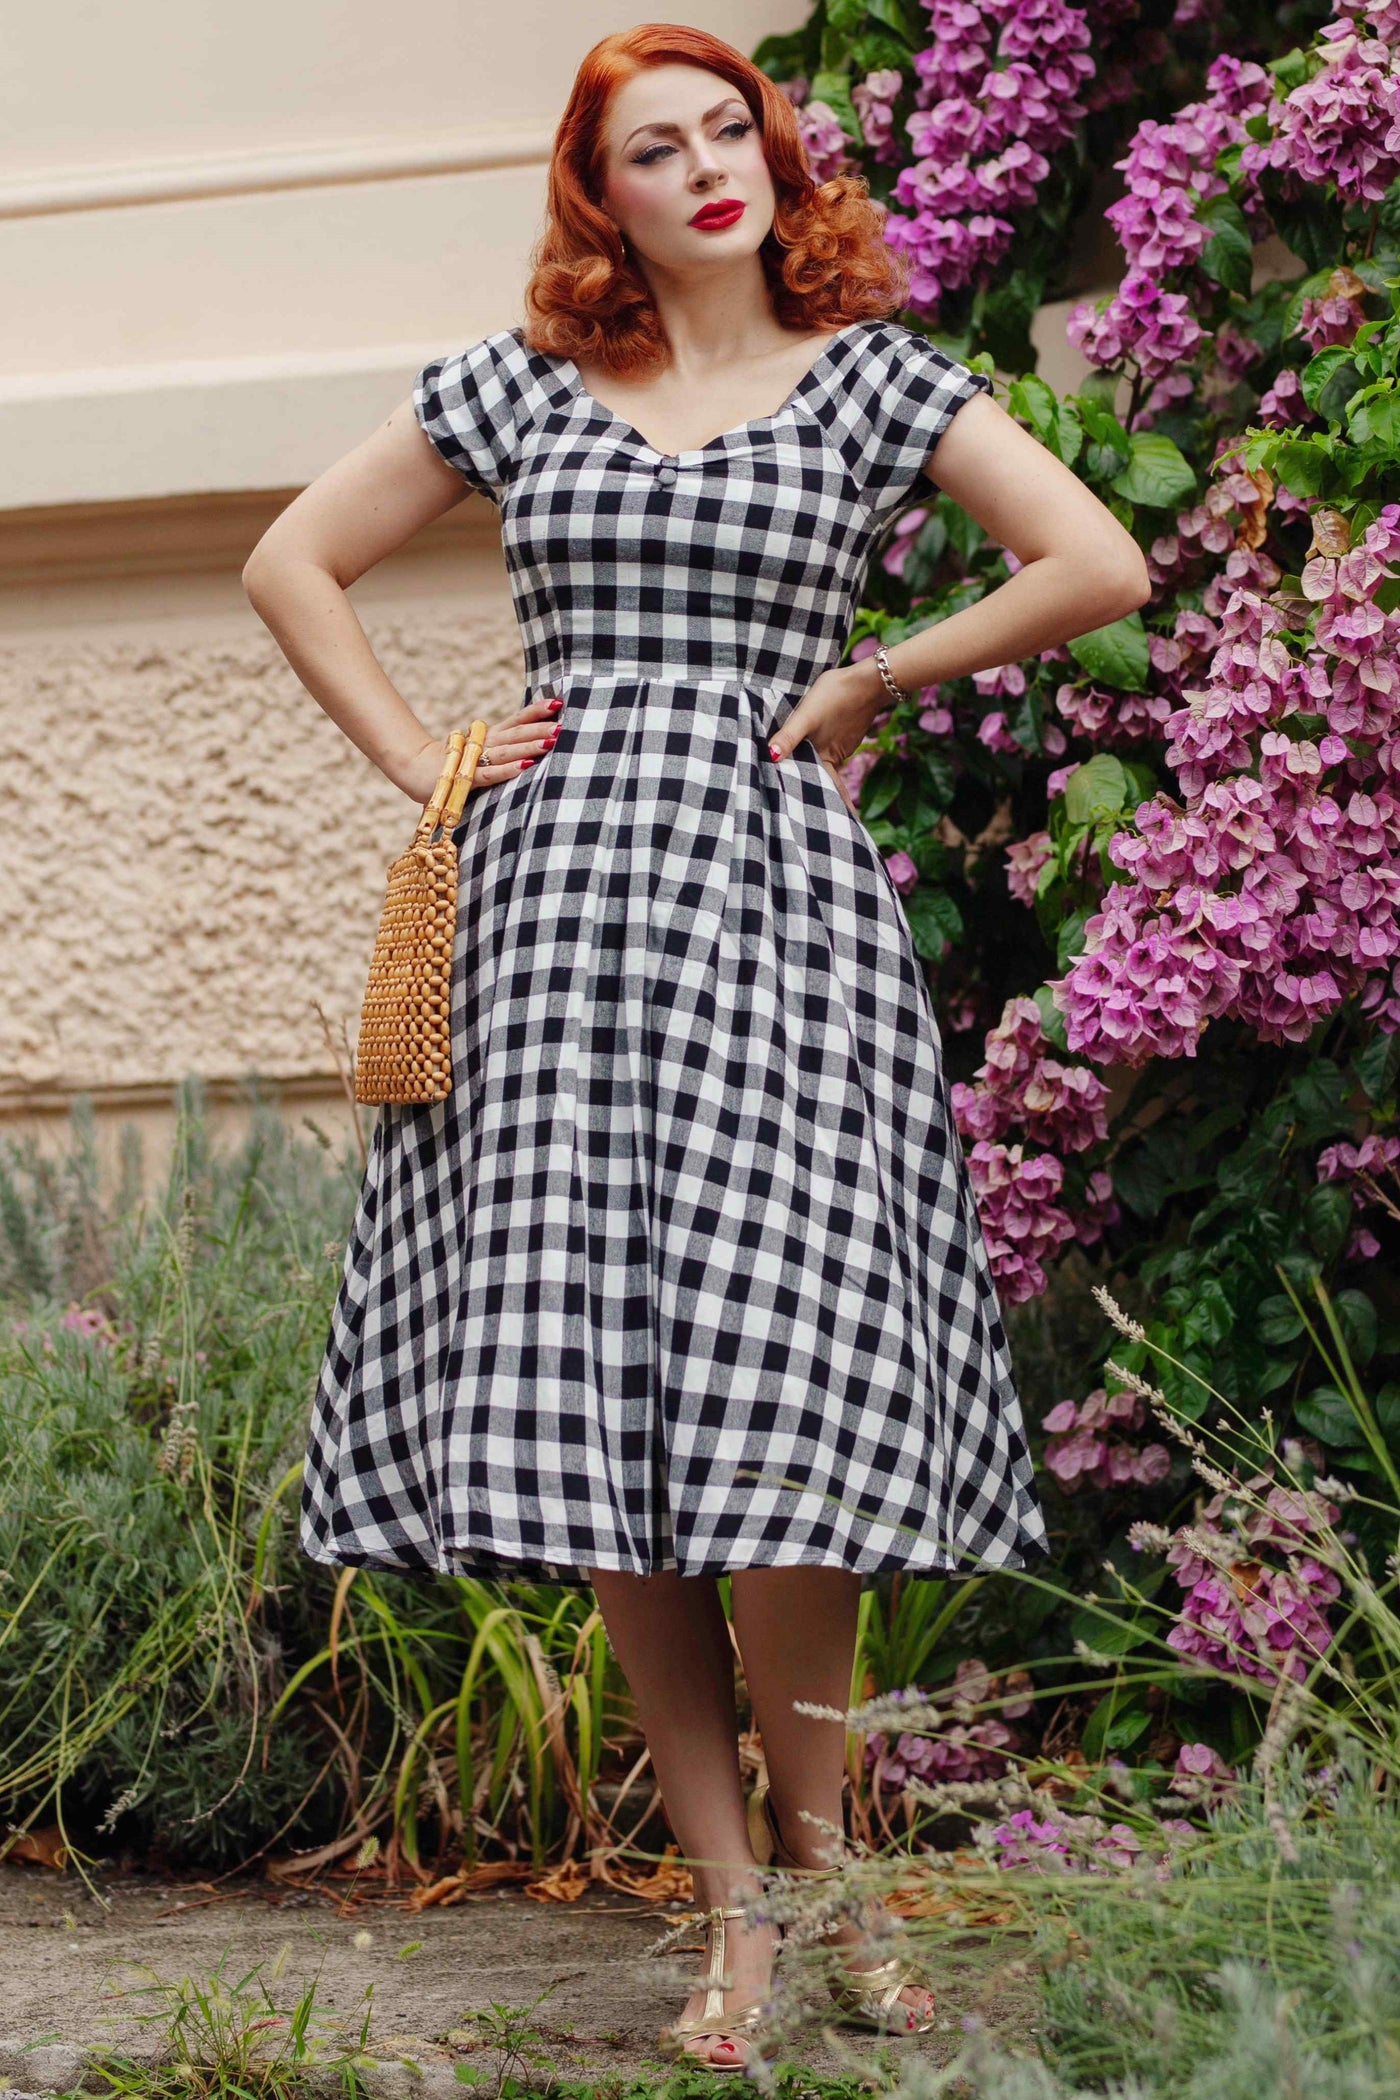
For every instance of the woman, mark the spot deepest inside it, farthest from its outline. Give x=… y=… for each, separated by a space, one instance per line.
x=684 y=1278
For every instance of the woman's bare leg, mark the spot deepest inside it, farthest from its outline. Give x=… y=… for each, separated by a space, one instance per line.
x=668 y=1632
x=796 y=1629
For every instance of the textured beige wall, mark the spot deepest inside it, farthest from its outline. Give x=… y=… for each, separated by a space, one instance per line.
x=240 y=234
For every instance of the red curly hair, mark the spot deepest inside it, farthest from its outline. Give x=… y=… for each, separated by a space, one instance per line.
x=824 y=257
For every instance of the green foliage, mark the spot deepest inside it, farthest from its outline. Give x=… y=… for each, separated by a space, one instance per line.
x=231 y=2036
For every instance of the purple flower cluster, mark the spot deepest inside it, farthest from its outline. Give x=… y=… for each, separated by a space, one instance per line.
x=999 y=89
x=1057 y=1105
x=1256 y=1594
x=1024 y=860
x=1021 y=1086
x=1169 y=171
x=1221 y=524
x=1363 y=1166
x=1343 y=125
x=1272 y=895
x=1202 y=1775
x=1335 y=318
x=1089 y=1443
x=1113 y=718
x=962 y=1743
x=829 y=151
x=874 y=99
x=1058 y=1843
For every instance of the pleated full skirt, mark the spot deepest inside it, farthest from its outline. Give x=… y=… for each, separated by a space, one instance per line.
x=685 y=1273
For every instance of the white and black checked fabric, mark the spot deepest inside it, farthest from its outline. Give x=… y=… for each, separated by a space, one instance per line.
x=685 y=1272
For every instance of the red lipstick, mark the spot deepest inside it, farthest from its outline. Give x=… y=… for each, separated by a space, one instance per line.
x=716 y=215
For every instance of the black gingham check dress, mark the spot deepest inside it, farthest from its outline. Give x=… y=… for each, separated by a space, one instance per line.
x=685 y=1272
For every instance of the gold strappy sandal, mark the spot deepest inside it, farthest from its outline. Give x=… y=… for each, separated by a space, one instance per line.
x=865 y=1997
x=713 y=2019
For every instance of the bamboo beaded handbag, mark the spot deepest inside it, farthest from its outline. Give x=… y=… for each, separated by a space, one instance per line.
x=404 y=1052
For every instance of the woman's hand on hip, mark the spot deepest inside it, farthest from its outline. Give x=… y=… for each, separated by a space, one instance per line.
x=834 y=715
x=511 y=746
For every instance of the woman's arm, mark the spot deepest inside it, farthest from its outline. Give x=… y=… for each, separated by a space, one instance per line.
x=366 y=506
x=1080 y=567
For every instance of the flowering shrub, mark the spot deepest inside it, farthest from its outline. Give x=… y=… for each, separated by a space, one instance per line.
x=1270 y=891
x=955 y=1742
x=1090 y=1444
x=1256 y=1593
x=1156 y=870
x=1059 y=1108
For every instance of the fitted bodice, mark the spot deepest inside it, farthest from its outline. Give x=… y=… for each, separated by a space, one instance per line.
x=742 y=558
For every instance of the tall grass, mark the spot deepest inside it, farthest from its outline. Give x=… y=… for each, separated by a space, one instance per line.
x=1236 y=1938
x=175 y=1679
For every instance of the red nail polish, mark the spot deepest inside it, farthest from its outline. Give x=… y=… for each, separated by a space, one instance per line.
x=553 y=737
x=554 y=706
x=526 y=762
x=774 y=752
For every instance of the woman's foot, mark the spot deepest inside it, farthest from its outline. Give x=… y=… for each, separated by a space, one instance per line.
x=864 y=1953
x=748 y=1960
x=916 y=2003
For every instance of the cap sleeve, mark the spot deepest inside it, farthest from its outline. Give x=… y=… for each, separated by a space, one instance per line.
x=465 y=405
x=919 y=389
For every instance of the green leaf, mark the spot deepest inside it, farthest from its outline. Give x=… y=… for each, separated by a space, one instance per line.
x=1228 y=256
x=1187 y=1396
x=880 y=786
x=835 y=90
x=1291 y=70
x=1100 y=787
x=1327 y=1218
x=934 y=920
x=1113 y=1725
x=897 y=15
x=1328 y=1415
x=1275 y=1373
x=1387 y=1405
x=1125 y=1728
x=1375 y=1066
x=1357 y=1317
x=1032 y=398
x=1070 y=938
x=1068 y=434
x=1104 y=429
x=1116 y=654
x=877 y=52
x=1319 y=1094
x=1142 y=1181
x=1004 y=317
x=941 y=776
x=1157 y=474
x=1052 y=1021
x=1107 y=1632
x=1377 y=420
x=1303 y=466
x=1316 y=373
x=1278 y=1321
x=1210 y=1316
x=783 y=57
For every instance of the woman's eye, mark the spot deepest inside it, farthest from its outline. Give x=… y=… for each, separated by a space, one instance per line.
x=734 y=129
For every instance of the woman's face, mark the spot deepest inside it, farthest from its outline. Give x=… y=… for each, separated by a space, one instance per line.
x=676 y=141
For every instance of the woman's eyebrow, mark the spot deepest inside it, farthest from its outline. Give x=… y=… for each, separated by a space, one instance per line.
x=676 y=127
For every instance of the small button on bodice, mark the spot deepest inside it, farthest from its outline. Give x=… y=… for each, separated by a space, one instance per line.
x=666 y=470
